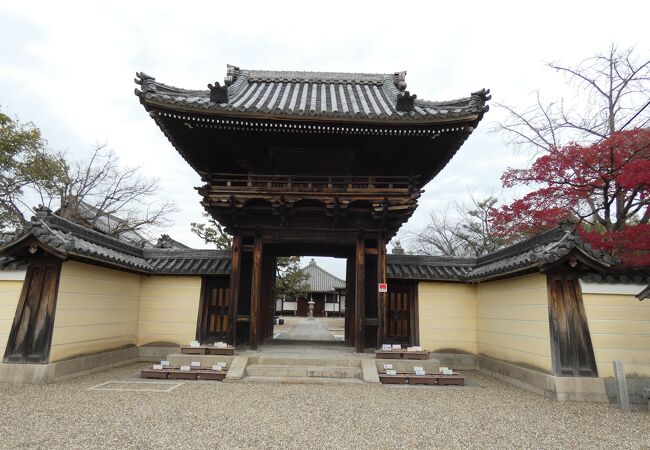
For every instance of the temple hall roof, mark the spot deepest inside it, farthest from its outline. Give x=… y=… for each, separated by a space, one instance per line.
x=321 y=280
x=321 y=95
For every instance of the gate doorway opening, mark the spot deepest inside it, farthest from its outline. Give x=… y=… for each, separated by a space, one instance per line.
x=310 y=299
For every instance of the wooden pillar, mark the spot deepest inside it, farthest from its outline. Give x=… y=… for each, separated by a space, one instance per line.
x=349 y=300
x=256 y=295
x=359 y=297
x=235 y=275
x=381 y=296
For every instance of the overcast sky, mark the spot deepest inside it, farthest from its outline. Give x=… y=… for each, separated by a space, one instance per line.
x=69 y=68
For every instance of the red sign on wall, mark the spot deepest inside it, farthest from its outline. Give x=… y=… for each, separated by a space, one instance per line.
x=383 y=287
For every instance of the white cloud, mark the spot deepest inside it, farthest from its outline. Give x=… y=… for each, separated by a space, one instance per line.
x=69 y=67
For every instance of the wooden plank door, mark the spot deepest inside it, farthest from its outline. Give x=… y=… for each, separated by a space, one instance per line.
x=398 y=315
x=571 y=347
x=216 y=303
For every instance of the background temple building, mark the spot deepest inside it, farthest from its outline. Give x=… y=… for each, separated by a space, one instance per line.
x=326 y=290
x=323 y=164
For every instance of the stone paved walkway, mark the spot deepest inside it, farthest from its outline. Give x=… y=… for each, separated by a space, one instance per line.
x=308 y=330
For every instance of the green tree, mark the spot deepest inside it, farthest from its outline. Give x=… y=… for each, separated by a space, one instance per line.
x=27 y=171
x=291 y=280
x=83 y=191
x=212 y=233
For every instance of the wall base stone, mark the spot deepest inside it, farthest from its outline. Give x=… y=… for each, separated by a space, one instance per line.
x=546 y=385
x=74 y=367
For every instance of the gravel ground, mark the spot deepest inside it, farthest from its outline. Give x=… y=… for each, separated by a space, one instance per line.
x=246 y=415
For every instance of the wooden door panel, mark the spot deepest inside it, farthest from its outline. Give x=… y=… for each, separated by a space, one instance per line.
x=396 y=329
x=216 y=308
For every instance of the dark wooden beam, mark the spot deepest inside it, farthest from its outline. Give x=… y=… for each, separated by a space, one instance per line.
x=256 y=295
x=414 y=318
x=571 y=348
x=349 y=299
x=30 y=337
x=381 y=296
x=359 y=297
x=235 y=275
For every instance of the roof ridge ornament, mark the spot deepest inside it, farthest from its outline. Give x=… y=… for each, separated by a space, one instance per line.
x=218 y=93
x=146 y=82
x=405 y=101
x=399 y=79
x=41 y=212
x=479 y=99
x=165 y=241
x=232 y=73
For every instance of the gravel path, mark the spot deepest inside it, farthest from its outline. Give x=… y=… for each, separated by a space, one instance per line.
x=245 y=415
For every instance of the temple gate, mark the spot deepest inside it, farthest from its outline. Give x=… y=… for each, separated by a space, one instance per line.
x=297 y=163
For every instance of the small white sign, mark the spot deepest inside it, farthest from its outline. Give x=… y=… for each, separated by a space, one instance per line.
x=417 y=348
x=386 y=347
x=195 y=344
x=448 y=372
x=409 y=349
x=388 y=366
x=391 y=372
x=165 y=363
x=383 y=287
x=416 y=368
x=222 y=364
x=220 y=344
x=442 y=369
x=185 y=368
x=216 y=367
x=157 y=367
x=195 y=364
x=397 y=347
x=420 y=371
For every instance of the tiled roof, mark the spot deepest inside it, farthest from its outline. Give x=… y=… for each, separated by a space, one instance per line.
x=11 y=263
x=320 y=94
x=74 y=241
x=532 y=254
x=541 y=250
x=438 y=268
x=644 y=293
x=77 y=242
x=320 y=280
x=188 y=261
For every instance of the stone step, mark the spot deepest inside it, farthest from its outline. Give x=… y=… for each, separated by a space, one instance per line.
x=301 y=380
x=283 y=360
x=429 y=365
x=287 y=371
x=179 y=359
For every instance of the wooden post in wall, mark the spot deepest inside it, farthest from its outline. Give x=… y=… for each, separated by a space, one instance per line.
x=381 y=296
x=256 y=294
x=233 y=303
x=349 y=299
x=359 y=297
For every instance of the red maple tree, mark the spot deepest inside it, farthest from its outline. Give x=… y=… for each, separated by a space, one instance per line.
x=604 y=186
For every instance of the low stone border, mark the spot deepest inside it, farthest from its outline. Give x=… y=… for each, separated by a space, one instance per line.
x=103 y=386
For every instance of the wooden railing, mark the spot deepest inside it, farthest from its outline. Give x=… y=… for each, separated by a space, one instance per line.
x=310 y=183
